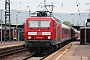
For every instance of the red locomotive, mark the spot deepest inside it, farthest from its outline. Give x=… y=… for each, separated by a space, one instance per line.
x=45 y=33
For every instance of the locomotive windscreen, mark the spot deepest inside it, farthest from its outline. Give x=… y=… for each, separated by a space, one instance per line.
x=39 y=23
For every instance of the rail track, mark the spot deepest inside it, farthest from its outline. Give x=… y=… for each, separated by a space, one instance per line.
x=36 y=57
x=41 y=56
x=8 y=50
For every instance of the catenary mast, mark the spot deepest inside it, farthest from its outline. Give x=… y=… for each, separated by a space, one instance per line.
x=7 y=19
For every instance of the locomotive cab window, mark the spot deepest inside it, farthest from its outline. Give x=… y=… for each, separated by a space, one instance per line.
x=39 y=23
x=45 y=23
x=33 y=24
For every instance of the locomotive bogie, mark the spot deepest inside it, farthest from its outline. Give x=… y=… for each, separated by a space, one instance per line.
x=39 y=46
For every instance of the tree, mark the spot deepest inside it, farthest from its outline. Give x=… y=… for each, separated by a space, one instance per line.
x=67 y=23
x=1 y=21
x=24 y=23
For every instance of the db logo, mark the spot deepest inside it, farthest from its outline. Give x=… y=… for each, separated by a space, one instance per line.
x=39 y=33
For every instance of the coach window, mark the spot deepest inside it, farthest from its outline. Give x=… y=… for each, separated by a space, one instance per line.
x=62 y=30
x=66 y=31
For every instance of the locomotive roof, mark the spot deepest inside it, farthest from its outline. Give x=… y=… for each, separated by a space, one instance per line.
x=35 y=17
x=41 y=13
x=53 y=18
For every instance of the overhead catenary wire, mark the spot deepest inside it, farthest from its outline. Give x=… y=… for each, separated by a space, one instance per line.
x=23 y=8
x=78 y=5
x=18 y=7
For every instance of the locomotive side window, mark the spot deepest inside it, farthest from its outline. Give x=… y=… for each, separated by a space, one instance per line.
x=55 y=24
x=45 y=23
x=33 y=24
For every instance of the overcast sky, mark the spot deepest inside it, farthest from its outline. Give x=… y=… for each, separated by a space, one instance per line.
x=62 y=6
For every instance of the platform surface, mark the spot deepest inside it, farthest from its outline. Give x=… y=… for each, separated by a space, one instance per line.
x=8 y=43
x=77 y=52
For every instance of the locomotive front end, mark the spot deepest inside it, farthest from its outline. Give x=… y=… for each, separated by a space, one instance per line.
x=38 y=34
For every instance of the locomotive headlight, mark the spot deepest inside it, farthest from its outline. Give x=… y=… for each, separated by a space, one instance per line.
x=29 y=37
x=49 y=37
